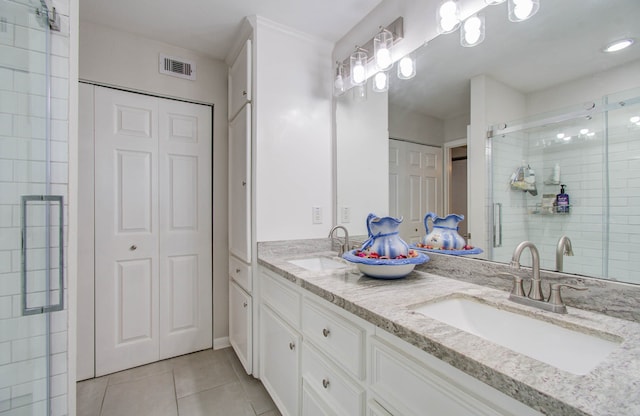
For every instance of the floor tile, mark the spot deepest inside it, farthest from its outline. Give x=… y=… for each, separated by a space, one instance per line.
x=141 y=372
x=149 y=396
x=225 y=400
x=196 y=375
x=271 y=413
x=89 y=396
x=256 y=393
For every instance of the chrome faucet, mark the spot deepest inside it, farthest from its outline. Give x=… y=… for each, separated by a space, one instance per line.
x=535 y=292
x=563 y=249
x=344 y=246
x=535 y=298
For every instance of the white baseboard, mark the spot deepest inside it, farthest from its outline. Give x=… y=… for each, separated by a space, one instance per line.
x=219 y=343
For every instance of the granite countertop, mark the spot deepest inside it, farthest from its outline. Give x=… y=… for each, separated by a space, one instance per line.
x=612 y=388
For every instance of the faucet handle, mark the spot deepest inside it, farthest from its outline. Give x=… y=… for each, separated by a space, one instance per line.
x=517 y=289
x=554 y=296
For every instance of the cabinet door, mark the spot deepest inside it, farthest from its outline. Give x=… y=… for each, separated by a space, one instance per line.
x=240 y=308
x=240 y=80
x=240 y=185
x=279 y=361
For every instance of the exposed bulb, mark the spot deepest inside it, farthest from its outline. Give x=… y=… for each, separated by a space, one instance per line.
x=358 y=73
x=448 y=8
x=406 y=67
x=522 y=9
x=383 y=59
x=380 y=82
x=338 y=84
x=449 y=23
x=472 y=32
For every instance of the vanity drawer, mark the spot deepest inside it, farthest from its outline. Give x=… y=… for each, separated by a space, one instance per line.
x=339 y=338
x=280 y=297
x=240 y=272
x=333 y=387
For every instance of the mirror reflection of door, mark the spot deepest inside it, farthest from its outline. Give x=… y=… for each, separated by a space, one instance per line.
x=415 y=185
x=458 y=186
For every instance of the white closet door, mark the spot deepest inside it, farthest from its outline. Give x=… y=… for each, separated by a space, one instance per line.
x=185 y=228
x=126 y=230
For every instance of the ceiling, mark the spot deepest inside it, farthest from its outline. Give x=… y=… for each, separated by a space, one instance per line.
x=209 y=26
x=562 y=42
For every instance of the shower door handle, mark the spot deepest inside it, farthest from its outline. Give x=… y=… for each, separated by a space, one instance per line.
x=24 y=205
x=497 y=224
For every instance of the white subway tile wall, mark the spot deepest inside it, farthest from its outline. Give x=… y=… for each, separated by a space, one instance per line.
x=581 y=159
x=23 y=155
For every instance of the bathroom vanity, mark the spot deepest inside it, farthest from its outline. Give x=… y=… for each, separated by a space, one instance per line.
x=333 y=341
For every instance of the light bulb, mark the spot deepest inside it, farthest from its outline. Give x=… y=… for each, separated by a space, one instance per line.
x=520 y=10
x=448 y=24
x=406 y=67
x=448 y=8
x=383 y=59
x=339 y=83
x=380 y=82
x=358 y=73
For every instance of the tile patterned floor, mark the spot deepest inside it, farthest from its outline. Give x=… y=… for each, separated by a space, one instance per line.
x=208 y=383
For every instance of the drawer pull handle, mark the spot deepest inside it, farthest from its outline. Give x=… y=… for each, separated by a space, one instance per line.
x=244 y=304
x=292 y=346
x=325 y=383
x=326 y=332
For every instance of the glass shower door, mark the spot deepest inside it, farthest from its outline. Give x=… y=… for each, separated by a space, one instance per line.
x=31 y=218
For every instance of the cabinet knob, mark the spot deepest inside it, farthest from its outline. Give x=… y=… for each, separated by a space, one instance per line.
x=325 y=383
x=326 y=332
x=244 y=93
x=133 y=247
x=237 y=270
x=292 y=346
x=244 y=183
x=244 y=304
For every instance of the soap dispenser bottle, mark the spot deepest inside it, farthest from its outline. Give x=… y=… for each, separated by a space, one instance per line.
x=562 y=201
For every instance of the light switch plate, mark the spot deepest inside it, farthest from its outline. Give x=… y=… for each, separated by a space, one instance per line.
x=316 y=215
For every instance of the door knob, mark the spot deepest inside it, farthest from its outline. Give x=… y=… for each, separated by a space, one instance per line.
x=133 y=247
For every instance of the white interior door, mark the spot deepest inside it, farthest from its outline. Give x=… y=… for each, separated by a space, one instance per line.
x=152 y=229
x=126 y=230
x=185 y=228
x=415 y=183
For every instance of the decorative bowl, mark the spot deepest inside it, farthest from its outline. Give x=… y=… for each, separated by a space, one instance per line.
x=385 y=268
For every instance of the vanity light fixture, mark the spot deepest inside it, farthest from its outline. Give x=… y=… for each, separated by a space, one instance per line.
x=472 y=31
x=358 y=65
x=382 y=44
x=407 y=67
x=618 y=45
x=521 y=10
x=338 y=82
x=381 y=82
x=448 y=16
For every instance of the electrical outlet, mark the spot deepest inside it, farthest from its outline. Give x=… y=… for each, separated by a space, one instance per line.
x=346 y=215
x=316 y=215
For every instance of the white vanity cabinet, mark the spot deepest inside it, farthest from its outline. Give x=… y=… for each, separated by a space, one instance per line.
x=280 y=342
x=347 y=366
x=240 y=80
x=241 y=309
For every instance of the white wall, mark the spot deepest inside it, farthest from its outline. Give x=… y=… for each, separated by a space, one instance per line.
x=292 y=132
x=410 y=125
x=131 y=62
x=456 y=128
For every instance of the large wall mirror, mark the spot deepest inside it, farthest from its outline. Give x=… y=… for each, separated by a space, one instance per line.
x=553 y=61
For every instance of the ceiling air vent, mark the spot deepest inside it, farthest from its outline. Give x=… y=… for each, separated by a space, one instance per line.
x=177 y=67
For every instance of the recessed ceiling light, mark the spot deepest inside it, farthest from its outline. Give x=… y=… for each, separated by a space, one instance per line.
x=618 y=45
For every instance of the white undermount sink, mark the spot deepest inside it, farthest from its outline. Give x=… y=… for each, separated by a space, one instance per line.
x=566 y=349
x=318 y=263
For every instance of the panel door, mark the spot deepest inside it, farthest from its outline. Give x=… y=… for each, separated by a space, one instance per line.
x=240 y=185
x=240 y=318
x=185 y=227
x=126 y=228
x=417 y=176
